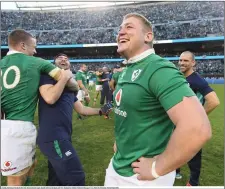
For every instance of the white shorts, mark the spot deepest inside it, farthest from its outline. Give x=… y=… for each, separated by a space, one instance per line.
x=112 y=178
x=18 y=143
x=98 y=87
x=81 y=95
x=91 y=83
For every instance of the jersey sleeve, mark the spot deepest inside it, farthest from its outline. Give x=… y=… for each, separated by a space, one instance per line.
x=203 y=87
x=169 y=86
x=114 y=76
x=46 y=79
x=49 y=68
x=75 y=98
x=78 y=76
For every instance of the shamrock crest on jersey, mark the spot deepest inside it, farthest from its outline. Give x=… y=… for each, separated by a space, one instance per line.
x=135 y=74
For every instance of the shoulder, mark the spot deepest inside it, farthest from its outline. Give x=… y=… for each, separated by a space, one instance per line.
x=41 y=60
x=78 y=73
x=196 y=79
x=155 y=63
x=46 y=79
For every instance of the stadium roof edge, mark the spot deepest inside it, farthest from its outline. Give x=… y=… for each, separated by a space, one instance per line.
x=53 y=8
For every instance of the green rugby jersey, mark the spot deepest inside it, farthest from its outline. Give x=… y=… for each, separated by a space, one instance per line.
x=82 y=76
x=115 y=77
x=145 y=90
x=20 y=75
x=98 y=77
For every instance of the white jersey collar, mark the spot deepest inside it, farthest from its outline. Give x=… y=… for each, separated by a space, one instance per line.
x=13 y=52
x=139 y=57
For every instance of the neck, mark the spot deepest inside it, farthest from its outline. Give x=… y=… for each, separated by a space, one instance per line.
x=15 y=49
x=12 y=51
x=133 y=54
x=189 y=72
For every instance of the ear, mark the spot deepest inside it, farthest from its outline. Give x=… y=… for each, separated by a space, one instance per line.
x=23 y=45
x=148 y=37
x=193 y=63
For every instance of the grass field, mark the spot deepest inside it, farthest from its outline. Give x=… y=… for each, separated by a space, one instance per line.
x=93 y=139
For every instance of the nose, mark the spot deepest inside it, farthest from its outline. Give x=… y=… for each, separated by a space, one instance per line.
x=180 y=62
x=122 y=31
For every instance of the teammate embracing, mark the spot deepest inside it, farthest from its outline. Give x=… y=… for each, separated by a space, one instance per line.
x=56 y=104
x=20 y=75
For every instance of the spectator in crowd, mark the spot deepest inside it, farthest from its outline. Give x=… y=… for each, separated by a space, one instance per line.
x=170 y=21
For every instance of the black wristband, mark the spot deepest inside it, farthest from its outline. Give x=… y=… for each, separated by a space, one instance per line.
x=100 y=112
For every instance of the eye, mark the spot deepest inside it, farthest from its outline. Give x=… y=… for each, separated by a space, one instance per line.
x=129 y=27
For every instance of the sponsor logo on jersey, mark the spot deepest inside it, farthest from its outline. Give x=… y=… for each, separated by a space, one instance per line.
x=118 y=97
x=120 y=112
x=135 y=74
x=7 y=165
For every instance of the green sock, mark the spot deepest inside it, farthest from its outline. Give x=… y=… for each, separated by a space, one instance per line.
x=28 y=182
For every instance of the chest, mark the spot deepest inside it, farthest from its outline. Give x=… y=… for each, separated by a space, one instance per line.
x=83 y=76
x=132 y=91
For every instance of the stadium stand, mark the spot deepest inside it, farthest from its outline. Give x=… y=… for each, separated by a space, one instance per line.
x=171 y=20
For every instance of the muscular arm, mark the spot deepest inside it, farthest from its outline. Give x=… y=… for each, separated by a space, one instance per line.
x=83 y=110
x=192 y=131
x=81 y=85
x=71 y=83
x=112 y=84
x=51 y=93
x=211 y=102
x=184 y=109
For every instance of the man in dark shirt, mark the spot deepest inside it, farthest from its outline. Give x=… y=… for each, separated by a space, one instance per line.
x=105 y=86
x=56 y=105
x=208 y=99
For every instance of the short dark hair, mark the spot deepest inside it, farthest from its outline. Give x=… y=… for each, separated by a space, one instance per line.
x=191 y=53
x=60 y=54
x=117 y=66
x=17 y=36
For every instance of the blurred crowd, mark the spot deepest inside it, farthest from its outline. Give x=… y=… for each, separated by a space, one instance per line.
x=203 y=67
x=98 y=55
x=171 y=20
x=78 y=26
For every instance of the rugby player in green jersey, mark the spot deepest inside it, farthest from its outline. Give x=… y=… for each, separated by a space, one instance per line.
x=115 y=76
x=81 y=77
x=20 y=75
x=152 y=97
x=98 y=84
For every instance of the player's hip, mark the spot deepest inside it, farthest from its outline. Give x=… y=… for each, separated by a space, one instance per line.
x=98 y=87
x=18 y=129
x=18 y=142
x=62 y=155
x=112 y=178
